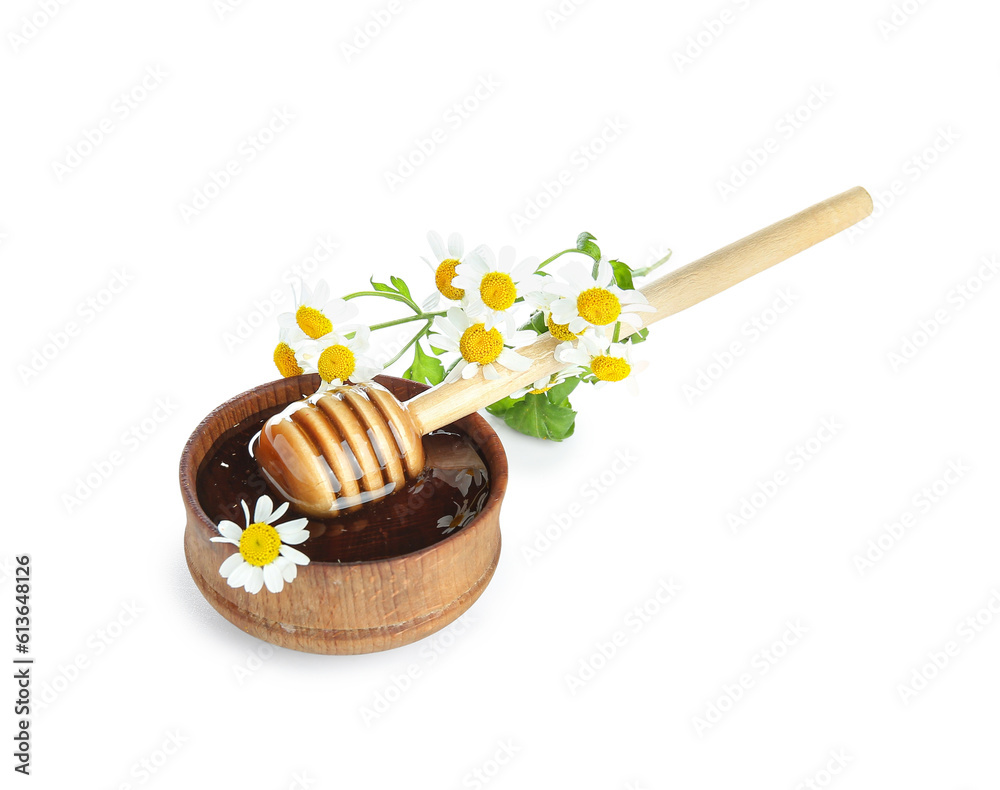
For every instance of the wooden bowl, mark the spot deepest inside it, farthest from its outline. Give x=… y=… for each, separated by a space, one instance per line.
x=350 y=607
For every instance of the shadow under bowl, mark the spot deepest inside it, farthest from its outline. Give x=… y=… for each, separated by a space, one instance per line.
x=348 y=607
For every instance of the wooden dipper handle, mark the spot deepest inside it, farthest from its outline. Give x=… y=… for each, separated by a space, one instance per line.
x=669 y=294
x=353 y=445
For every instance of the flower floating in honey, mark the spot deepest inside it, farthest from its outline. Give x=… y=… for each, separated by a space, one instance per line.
x=463 y=515
x=265 y=555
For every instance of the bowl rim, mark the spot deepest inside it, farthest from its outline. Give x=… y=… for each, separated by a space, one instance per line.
x=471 y=423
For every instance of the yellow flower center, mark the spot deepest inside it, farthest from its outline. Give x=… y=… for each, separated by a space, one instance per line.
x=260 y=544
x=497 y=290
x=284 y=360
x=598 y=306
x=541 y=391
x=336 y=362
x=559 y=331
x=312 y=322
x=478 y=345
x=442 y=278
x=608 y=368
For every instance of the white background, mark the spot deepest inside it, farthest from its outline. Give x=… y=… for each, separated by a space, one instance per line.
x=500 y=678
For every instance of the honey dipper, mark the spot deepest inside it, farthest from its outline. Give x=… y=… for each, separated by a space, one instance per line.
x=355 y=444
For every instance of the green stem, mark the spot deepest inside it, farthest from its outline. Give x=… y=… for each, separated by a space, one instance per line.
x=388 y=295
x=406 y=319
x=547 y=261
x=406 y=348
x=647 y=269
x=618 y=328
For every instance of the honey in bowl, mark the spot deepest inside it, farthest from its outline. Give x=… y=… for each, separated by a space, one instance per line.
x=440 y=501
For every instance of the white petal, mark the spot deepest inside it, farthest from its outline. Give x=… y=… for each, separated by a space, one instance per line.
x=238 y=577
x=506 y=259
x=225 y=540
x=489 y=372
x=246 y=512
x=294 y=538
x=492 y=318
x=521 y=338
x=513 y=361
x=273 y=578
x=475 y=309
x=322 y=294
x=469 y=370
x=291 y=526
x=634 y=320
x=563 y=310
x=458 y=319
x=279 y=513
x=484 y=258
x=456 y=246
x=294 y=555
x=567 y=352
x=256 y=580
x=231 y=564
x=230 y=530
x=577 y=274
x=262 y=512
x=604 y=273
x=443 y=341
x=431 y=302
x=454 y=374
x=524 y=269
x=466 y=282
x=437 y=245
x=289 y=570
x=577 y=324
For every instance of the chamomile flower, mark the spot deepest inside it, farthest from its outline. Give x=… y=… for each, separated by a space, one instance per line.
x=493 y=283
x=480 y=347
x=265 y=555
x=316 y=314
x=462 y=479
x=446 y=260
x=338 y=359
x=285 y=357
x=463 y=515
x=582 y=301
x=607 y=361
x=546 y=383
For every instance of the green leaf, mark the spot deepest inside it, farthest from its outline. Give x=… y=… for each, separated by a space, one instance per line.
x=623 y=275
x=425 y=368
x=536 y=415
x=537 y=323
x=502 y=406
x=559 y=394
x=638 y=337
x=379 y=286
x=585 y=243
x=400 y=286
